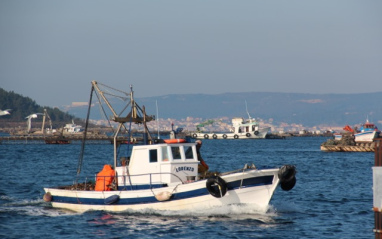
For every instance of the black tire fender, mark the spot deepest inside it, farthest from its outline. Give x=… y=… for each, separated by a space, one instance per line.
x=248 y=135
x=216 y=186
x=235 y=136
x=194 y=136
x=286 y=186
x=224 y=136
x=214 y=136
x=206 y=136
x=256 y=132
x=287 y=177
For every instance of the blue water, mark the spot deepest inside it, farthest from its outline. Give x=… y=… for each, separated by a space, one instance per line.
x=333 y=197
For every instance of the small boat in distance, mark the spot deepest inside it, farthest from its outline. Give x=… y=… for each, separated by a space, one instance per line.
x=367 y=132
x=73 y=128
x=162 y=175
x=241 y=129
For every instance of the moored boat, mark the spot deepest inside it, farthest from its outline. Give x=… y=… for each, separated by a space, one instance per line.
x=163 y=175
x=367 y=132
x=72 y=128
x=241 y=129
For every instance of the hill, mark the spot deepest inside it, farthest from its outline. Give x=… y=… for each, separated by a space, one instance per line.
x=23 y=106
x=308 y=110
x=291 y=108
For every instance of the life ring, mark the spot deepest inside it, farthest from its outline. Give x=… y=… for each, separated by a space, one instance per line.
x=216 y=186
x=235 y=136
x=287 y=177
x=206 y=136
x=174 y=141
x=224 y=136
x=214 y=136
x=248 y=135
x=194 y=136
x=256 y=132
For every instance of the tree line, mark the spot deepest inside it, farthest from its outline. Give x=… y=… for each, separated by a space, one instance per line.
x=22 y=106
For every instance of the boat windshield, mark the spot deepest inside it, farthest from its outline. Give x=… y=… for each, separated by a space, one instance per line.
x=176 y=152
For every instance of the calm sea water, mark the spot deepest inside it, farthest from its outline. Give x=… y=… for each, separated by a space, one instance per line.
x=333 y=197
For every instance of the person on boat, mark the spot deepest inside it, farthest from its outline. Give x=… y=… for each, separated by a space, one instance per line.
x=202 y=167
x=105 y=178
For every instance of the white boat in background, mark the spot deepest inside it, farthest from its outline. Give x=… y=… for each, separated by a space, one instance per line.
x=72 y=128
x=163 y=175
x=241 y=129
x=367 y=132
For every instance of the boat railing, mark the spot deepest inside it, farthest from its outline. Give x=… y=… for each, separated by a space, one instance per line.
x=128 y=181
x=246 y=167
x=125 y=182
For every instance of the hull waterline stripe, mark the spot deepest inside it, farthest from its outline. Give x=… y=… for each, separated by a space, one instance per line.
x=249 y=182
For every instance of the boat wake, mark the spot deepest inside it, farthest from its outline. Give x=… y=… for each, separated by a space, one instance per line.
x=229 y=211
x=31 y=208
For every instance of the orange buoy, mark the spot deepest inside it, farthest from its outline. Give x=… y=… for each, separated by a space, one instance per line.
x=174 y=141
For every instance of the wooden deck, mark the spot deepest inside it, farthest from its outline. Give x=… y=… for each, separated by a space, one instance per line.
x=359 y=147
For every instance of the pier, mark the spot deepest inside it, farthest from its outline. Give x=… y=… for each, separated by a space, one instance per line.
x=358 y=147
x=377 y=189
x=67 y=139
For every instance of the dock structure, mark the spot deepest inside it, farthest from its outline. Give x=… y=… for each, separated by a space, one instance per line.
x=358 y=147
x=67 y=139
x=377 y=189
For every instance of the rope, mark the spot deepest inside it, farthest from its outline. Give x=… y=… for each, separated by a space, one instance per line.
x=81 y=157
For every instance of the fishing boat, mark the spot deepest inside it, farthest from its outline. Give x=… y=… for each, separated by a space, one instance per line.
x=73 y=128
x=241 y=129
x=162 y=174
x=367 y=132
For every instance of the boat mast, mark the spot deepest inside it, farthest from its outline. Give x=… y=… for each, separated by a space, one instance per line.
x=95 y=85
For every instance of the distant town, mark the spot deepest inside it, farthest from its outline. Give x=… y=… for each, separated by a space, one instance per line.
x=224 y=124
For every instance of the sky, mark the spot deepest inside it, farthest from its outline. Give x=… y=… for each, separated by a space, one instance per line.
x=51 y=50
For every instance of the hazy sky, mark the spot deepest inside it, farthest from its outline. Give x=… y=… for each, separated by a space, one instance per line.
x=51 y=50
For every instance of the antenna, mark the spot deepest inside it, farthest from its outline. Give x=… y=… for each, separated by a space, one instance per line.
x=246 y=108
x=156 y=102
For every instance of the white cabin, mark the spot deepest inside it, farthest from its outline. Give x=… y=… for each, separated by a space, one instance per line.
x=244 y=126
x=159 y=165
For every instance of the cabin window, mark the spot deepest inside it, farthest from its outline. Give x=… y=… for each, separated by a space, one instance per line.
x=164 y=154
x=189 y=153
x=153 y=155
x=175 y=153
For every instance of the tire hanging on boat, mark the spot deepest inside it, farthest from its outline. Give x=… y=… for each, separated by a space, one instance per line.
x=256 y=132
x=206 y=136
x=248 y=135
x=235 y=136
x=214 y=136
x=224 y=136
x=194 y=136
x=216 y=186
x=286 y=186
x=287 y=177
